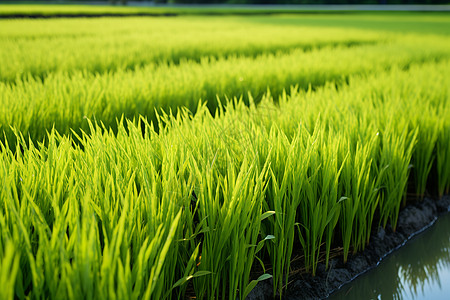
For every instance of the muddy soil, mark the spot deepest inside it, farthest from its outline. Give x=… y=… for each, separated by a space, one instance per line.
x=412 y=220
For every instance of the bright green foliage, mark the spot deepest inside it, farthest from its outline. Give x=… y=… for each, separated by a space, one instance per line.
x=10 y=263
x=424 y=154
x=46 y=10
x=85 y=218
x=283 y=197
x=208 y=199
x=358 y=189
x=64 y=102
x=319 y=209
x=396 y=151
x=138 y=215
x=104 y=45
x=443 y=154
x=73 y=9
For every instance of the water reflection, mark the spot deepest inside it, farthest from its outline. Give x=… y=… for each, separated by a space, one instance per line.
x=419 y=270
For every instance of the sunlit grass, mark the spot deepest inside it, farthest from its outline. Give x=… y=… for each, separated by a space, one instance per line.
x=127 y=215
x=203 y=172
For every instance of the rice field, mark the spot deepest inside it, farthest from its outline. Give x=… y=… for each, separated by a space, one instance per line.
x=182 y=157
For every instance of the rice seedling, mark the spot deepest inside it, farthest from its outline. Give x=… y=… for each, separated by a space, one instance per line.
x=319 y=209
x=163 y=196
x=397 y=146
x=81 y=216
x=443 y=157
x=424 y=151
x=33 y=48
x=64 y=102
x=284 y=195
x=359 y=193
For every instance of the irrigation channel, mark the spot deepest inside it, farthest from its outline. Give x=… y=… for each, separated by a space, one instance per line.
x=418 y=270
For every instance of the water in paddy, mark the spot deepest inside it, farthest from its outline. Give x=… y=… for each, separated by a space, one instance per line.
x=418 y=270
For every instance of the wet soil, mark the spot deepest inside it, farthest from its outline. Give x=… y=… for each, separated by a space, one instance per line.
x=412 y=220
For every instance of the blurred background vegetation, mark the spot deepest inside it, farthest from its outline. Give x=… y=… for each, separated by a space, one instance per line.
x=252 y=1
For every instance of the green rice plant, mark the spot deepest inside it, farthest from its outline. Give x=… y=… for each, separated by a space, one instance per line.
x=289 y=161
x=104 y=45
x=319 y=209
x=231 y=206
x=9 y=267
x=397 y=146
x=330 y=189
x=197 y=203
x=386 y=22
x=424 y=152
x=64 y=101
x=231 y=211
x=359 y=193
x=399 y=164
x=229 y=190
x=79 y=205
x=71 y=9
x=443 y=157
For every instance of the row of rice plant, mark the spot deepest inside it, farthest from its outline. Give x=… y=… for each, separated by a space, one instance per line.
x=109 y=44
x=210 y=205
x=30 y=9
x=48 y=10
x=64 y=102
